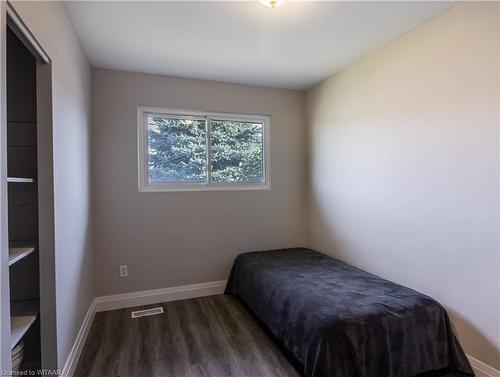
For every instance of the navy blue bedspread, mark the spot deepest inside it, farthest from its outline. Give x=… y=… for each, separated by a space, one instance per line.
x=340 y=321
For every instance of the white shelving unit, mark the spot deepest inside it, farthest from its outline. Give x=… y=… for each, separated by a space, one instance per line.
x=23 y=315
x=18 y=253
x=20 y=180
x=22 y=211
x=26 y=218
x=19 y=325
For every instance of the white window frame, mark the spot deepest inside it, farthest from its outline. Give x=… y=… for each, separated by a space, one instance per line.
x=143 y=157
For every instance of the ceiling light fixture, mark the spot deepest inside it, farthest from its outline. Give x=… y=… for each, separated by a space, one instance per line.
x=272 y=3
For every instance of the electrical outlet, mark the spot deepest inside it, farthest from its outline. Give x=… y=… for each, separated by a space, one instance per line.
x=123 y=271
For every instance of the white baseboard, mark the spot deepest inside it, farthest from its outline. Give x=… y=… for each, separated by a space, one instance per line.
x=127 y=300
x=76 y=350
x=155 y=296
x=481 y=369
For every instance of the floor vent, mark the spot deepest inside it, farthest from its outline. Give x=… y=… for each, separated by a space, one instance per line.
x=147 y=312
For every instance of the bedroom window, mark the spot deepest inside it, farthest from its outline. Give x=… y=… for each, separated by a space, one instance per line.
x=195 y=151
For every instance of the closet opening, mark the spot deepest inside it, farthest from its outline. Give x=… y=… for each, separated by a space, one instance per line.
x=30 y=201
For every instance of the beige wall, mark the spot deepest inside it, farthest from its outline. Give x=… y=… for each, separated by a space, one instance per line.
x=175 y=238
x=71 y=80
x=404 y=167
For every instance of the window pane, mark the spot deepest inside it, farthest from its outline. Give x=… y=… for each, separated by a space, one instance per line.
x=177 y=150
x=237 y=151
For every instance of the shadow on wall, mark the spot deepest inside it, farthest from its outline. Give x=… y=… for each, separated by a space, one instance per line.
x=467 y=330
x=321 y=235
x=325 y=235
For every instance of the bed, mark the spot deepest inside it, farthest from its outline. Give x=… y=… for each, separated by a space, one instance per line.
x=339 y=321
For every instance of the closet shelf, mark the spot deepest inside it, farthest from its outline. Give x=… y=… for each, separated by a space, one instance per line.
x=23 y=315
x=18 y=253
x=20 y=180
x=19 y=325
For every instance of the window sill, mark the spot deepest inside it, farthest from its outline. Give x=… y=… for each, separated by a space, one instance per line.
x=190 y=188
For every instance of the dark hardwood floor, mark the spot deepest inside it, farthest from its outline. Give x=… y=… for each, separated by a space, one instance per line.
x=209 y=336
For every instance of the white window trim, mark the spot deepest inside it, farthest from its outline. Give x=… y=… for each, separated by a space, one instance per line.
x=142 y=142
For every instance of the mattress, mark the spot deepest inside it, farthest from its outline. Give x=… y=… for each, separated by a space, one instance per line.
x=339 y=321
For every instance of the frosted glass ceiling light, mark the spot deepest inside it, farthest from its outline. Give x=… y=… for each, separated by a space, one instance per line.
x=272 y=3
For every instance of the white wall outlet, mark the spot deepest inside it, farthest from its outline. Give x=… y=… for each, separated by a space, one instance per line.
x=123 y=271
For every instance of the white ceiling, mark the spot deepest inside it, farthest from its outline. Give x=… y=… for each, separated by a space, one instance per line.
x=294 y=46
